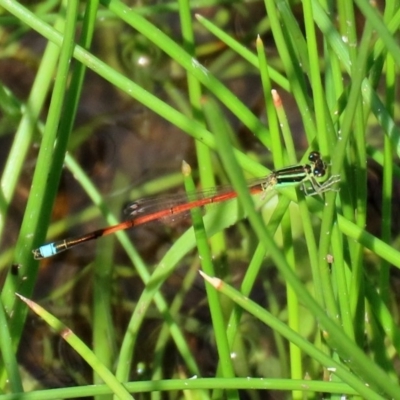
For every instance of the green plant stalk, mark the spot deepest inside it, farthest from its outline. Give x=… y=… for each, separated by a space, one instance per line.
x=104 y=337
x=324 y=123
x=25 y=131
x=178 y=98
x=331 y=35
x=276 y=144
x=295 y=37
x=191 y=384
x=348 y=202
x=360 y=194
x=291 y=62
x=102 y=326
x=10 y=105
x=203 y=152
x=347 y=28
x=216 y=119
x=296 y=371
x=341 y=278
x=333 y=84
x=80 y=347
x=16 y=159
x=387 y=186
x=161 y=348
x=78 y=71
x=290 y=151
x=386 y=227
x=312 y=249
x=44 y=186
x=11 y=367
x=217 y=315
x=384 y=315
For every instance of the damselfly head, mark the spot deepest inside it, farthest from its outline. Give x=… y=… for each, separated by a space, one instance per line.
x=318 y=165
x=319 y=168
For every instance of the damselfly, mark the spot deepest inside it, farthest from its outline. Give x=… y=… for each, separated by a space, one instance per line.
x=143 y=211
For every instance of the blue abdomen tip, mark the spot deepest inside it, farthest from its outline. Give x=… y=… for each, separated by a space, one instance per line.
x=48 y=250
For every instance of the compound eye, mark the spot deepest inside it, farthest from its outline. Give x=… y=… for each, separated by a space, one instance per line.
x=314 y=156
x=319 y=171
